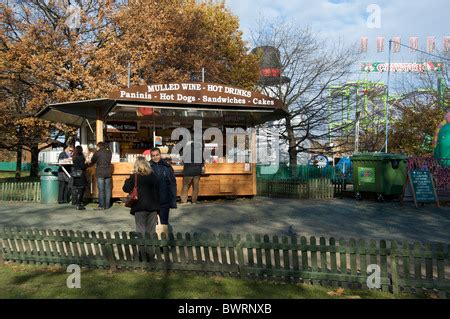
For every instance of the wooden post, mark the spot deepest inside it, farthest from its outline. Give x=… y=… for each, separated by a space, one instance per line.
x=2 y=260
x=99 y=127
x=394 y=266
x=240 y=255
x=434 y=190
x=83 y=136
x=108 y=250
x=253 y=158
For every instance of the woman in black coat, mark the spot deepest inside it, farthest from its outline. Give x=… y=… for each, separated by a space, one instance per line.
x=145 y=210
x=79 y=177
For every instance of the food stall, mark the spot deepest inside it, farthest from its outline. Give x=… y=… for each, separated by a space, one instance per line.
x=134 y=119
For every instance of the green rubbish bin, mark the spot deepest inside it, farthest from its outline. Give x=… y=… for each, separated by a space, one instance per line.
x=380 y=173
x=49 y=185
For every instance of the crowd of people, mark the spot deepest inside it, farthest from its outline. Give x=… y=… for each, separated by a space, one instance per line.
x=155 y=181
x=72 y=177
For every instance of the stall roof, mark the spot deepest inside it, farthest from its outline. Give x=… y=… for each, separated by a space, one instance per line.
x=74 y=113
x=253 y=106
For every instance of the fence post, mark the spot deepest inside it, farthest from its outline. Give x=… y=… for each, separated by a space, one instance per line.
x=308 y=188
x=240 y=253
x=440 y=262
x=2 y=260
x=394 y=265
x=109 y=252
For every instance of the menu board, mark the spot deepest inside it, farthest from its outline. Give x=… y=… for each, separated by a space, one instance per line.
x=420 y=188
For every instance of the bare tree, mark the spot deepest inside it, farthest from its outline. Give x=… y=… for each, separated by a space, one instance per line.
x=313 y=66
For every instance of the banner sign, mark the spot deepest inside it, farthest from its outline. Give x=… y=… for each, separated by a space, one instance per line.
x=414 y=43
x=446 y=44
x=396 y=44
x=418 y=67
x=380 y=44
x=364 y=44
x=431 y=44
x=196 y=94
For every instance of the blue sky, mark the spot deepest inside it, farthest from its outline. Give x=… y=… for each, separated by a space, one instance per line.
x=347 y=20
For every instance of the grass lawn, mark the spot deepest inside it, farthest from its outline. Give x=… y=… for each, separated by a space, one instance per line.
x=31 y=281
x=10 y=177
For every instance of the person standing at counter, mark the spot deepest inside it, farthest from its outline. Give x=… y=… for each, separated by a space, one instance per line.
x=64 y=190
x=90 y=152
x=79 y=177
x=102 y=159
x=192 y=171
x=167 y=184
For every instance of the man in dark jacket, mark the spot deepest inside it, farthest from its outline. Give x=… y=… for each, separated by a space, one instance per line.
x=192 y=170
x=103 y=173
x=64 y=190
x=167 y=184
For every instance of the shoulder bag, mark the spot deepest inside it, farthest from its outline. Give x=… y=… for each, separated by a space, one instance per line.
x=132 y=197
x=76 y=173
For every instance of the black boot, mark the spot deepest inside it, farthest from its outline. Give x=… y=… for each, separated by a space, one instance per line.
x=72 y=195
x=79 y=198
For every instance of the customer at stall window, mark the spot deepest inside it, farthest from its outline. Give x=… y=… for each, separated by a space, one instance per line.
x=79 y=177
x=148 y=203
x=167 y=184
x=102 y=159
x=90 y=153
x=192 y=170
x=64 y=190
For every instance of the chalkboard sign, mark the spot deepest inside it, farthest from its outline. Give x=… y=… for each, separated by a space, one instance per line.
x=420 y=187
x=423 y=186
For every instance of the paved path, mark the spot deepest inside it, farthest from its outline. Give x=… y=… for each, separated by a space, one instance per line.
x=345 y=218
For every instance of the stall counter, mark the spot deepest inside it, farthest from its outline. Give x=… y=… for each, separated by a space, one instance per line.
x=218 y=179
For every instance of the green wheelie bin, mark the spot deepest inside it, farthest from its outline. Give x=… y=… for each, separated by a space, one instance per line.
x=49 y=185
x=380 y=173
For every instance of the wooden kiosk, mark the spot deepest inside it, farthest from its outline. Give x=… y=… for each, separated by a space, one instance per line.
x=137 y=118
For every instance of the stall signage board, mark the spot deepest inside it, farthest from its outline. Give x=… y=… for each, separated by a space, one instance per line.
x=418 y=67
x=121 y=127
x=195 y=94
x=158 y=140
x=420 y=188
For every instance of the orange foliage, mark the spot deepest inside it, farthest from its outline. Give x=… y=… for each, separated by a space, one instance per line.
x=45 y=61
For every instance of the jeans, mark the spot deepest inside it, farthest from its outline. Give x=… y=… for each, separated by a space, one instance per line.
x=104 y=192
